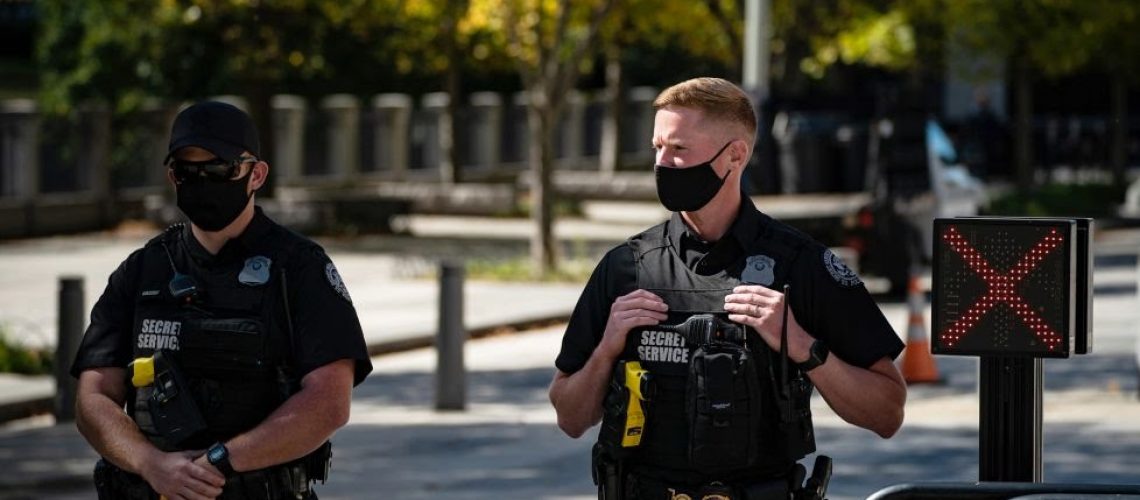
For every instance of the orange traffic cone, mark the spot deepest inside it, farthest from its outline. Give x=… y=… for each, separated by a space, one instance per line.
x=918 y=366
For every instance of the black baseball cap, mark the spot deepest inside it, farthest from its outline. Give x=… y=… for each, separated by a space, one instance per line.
x=217 y=127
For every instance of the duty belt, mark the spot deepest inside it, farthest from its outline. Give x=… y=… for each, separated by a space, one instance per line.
x=287 y=481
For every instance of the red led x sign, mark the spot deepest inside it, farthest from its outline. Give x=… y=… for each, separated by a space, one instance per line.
x=1002 y=287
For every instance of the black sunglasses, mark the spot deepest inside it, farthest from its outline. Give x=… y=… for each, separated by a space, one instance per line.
x=214 y=169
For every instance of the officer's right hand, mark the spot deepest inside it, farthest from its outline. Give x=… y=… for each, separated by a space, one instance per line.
x=175 y=476
x=634 y=309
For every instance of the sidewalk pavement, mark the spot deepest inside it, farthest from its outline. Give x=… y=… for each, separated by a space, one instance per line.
x=506 y=444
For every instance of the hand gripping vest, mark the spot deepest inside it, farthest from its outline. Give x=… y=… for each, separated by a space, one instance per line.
x=681 y=441
x=228 y=345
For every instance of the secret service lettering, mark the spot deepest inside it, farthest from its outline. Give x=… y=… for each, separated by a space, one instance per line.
x=666 y=347
x=159 y=334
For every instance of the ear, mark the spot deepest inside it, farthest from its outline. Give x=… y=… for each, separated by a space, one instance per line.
x=738 y=153
x=170 y=177
x=258 y=175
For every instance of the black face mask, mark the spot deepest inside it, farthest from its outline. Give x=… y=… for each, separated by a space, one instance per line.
x=213 y=205
x=689 y=189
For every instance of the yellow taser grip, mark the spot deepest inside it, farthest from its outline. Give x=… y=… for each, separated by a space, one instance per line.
x=142 y=372
x=635 y=414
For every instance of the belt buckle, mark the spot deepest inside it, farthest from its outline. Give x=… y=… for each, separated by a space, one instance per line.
x=719 y=491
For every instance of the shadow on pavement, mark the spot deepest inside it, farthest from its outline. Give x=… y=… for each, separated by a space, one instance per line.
x=502 y=447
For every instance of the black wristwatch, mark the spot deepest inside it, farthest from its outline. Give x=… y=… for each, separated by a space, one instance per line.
x=817 y=355
x=219 y=457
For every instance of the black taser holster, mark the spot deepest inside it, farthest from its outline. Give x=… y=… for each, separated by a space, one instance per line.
x=111 y=483
x=172 y=408
x=608 y=474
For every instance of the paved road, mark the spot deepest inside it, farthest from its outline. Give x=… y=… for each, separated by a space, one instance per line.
x=506 y=445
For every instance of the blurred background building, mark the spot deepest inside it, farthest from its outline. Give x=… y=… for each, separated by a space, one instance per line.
x=375 y=108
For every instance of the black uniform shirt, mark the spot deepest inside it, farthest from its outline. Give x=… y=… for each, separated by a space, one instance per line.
x=829 y=301
x=325 y=325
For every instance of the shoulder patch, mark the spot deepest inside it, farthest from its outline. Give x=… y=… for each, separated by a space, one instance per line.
x=336 y=282
x=839 y=270
x=759 y=269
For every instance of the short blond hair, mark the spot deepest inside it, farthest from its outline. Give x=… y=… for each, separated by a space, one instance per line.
x=718 y=98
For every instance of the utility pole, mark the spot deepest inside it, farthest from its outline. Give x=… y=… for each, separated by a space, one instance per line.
x=757 y=47
x=761 y=173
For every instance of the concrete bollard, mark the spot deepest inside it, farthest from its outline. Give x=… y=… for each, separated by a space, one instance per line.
x=70 y=333
x=393 y=118
x=343 y=135
x=486 y=127
x=289 y=137
x=19 y=149
x=450 y=377
x=571 y=131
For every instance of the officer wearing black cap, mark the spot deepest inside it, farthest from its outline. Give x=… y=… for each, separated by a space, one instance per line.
x=231 y=342
x=677 y=344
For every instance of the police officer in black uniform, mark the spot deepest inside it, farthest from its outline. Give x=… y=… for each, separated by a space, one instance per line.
x=725 y=415
x=231 y=342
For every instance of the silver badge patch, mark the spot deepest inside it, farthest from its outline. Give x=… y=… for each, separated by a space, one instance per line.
x=759 y=270
x=256 y=271
x=839 y=271
x=336 y=282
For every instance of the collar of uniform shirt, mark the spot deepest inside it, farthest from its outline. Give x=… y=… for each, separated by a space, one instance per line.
x=238 y=248
x=707 y=258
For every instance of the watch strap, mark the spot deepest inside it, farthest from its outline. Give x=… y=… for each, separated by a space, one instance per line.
x=219 y=456
x=817 y=355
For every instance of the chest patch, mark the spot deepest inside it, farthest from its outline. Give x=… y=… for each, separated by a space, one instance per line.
x=336 y=282
x=759 y=270
x=158 y=334
x=839 y=271
x=662 y=347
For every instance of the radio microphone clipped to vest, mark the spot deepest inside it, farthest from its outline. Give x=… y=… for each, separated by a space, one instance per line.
x=700 y=329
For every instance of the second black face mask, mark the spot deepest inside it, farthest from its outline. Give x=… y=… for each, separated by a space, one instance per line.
x=213 y=205
x=688 y=189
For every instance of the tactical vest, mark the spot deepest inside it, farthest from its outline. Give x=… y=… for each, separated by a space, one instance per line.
x=664 y=451
x=229 y=343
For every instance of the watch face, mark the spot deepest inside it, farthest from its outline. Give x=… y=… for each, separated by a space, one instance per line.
x=216 y=453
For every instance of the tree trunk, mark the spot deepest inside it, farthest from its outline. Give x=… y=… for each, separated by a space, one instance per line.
x=610 y=155
x=540 y=118
x=449 y=154
x=258 y=96
x=1023 y=125
x=1118 y=152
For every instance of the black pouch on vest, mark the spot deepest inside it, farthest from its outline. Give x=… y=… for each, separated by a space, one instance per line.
x=235 y=383
x=722 y=405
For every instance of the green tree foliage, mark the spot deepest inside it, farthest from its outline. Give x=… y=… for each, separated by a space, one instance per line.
x=712 y=29
x=95 y=51
x=548 y=41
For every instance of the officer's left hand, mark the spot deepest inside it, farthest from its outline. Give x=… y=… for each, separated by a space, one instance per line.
x=763 y=309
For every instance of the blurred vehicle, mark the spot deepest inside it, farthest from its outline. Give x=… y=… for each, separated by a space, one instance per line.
x=913 y=176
